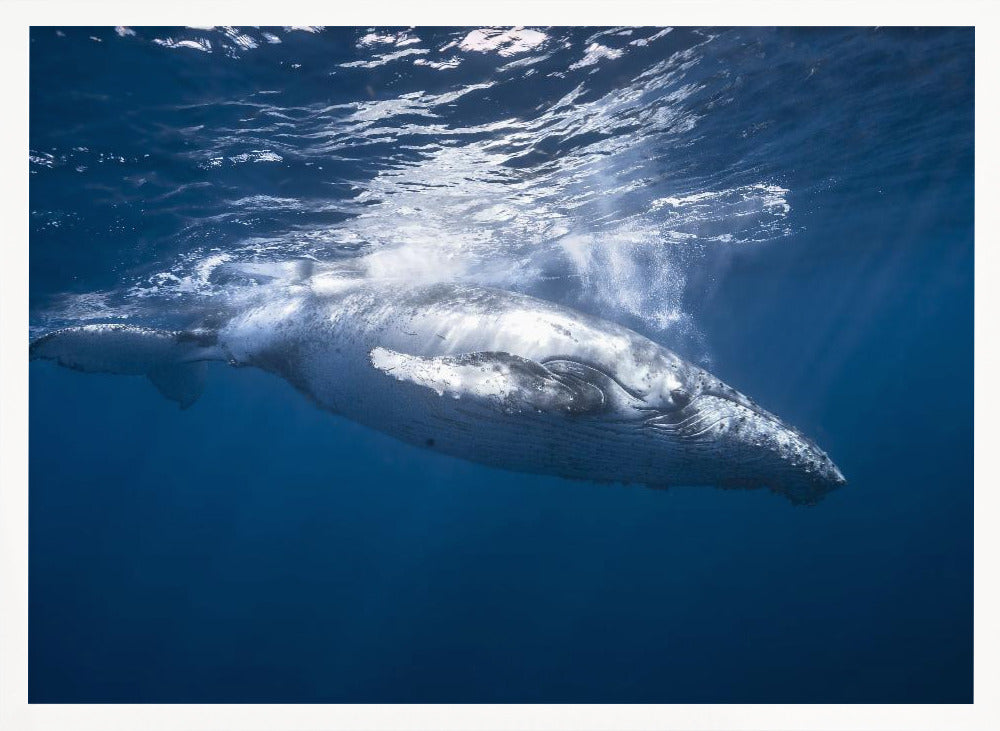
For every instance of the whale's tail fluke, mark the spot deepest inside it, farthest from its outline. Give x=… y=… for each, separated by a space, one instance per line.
x=174 y=361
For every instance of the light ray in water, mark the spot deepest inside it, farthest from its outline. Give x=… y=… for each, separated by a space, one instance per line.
x=583 y=199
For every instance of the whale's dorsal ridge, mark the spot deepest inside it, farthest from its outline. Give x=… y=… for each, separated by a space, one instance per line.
x=501 y=380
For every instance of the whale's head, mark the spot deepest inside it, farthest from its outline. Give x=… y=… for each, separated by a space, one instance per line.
x=736 y=443
x=727 y=439
x=697 y=430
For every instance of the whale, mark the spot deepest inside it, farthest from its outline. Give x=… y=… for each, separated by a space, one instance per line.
x=487 y=375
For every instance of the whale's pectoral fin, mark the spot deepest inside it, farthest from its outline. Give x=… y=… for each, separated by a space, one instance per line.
x=181 y=382
x=173 y=361
x=503 y=381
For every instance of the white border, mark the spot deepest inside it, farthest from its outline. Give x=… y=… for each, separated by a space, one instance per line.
x=15 y=713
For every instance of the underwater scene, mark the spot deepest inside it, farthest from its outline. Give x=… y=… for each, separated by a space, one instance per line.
x=501 y=365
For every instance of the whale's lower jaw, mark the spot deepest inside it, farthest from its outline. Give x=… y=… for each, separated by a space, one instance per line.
x=679 y=473
x=606 y=451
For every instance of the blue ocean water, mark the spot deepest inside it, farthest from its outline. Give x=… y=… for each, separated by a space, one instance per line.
x=792 y=208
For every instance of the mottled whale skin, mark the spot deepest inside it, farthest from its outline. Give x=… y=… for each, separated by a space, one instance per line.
x=491 y=376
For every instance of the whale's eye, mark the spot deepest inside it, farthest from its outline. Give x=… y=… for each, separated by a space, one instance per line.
x=680 y=397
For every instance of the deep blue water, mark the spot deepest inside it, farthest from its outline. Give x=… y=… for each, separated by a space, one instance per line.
x=791 y=208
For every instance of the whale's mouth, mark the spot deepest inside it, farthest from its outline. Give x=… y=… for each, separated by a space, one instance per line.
x=766 y=451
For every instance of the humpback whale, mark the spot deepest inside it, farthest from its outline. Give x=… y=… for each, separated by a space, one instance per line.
x=487 y=375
